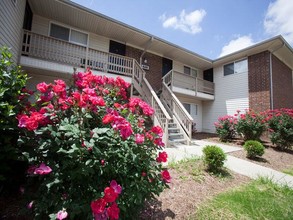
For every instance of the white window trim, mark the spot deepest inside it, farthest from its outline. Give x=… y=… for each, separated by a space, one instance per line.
x=235 y=61
x=191 y=68
x=70 y=28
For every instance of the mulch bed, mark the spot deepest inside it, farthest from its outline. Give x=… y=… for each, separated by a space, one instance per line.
x=185 y=195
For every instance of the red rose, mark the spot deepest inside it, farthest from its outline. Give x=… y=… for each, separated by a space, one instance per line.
x=108 y=119
x=98 y=206
x=166 y=176
x=42 y=87
x=113 y=211
x=110 y=195
x=162 y=157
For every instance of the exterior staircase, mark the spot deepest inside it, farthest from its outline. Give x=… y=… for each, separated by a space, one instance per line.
x=169 y=112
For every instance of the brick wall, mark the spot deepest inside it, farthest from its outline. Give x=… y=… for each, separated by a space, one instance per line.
x=154 y=74
x=259 y=81
x=282 y=84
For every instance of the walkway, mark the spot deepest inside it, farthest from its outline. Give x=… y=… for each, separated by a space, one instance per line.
x=235 y=164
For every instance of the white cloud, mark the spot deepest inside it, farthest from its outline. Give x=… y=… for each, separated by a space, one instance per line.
x=187 y=22
x=279 y=19
x=237 y=44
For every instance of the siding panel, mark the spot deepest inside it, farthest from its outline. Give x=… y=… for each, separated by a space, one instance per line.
x=11 y=22
x=231 y=94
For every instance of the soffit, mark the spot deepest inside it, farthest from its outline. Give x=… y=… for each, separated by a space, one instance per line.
x=85 y=19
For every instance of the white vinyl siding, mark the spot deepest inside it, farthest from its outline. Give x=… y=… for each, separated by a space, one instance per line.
x=98 y=42
x=40 y=25
x=179 y=67
x=11 y=22
x=196 y=110
x=231 y=94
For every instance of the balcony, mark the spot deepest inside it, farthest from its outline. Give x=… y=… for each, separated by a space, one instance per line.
x=189 y=85
x=61 y=53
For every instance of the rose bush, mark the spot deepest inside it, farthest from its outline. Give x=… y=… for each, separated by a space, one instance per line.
x=280 y=126
x=225 y=127
x=78 y=139
x=251 y=125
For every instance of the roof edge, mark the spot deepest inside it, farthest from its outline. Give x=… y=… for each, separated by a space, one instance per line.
x=88 y=10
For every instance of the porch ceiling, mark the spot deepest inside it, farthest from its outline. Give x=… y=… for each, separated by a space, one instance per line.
x=86 y=19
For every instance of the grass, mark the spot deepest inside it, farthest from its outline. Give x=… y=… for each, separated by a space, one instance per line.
x=189 y=168
x=260 y=199
x=289 y=171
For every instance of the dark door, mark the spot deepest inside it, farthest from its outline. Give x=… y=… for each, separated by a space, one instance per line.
x=166 y=66
x=28 y=17
x=117 y=48
x=208 y=75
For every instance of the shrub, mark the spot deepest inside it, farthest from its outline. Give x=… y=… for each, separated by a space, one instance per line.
x=225 y=127
x=251 y=125
x=280 y=126
x=254 y=148
x=89 y=150
x=214 y=157
x=12 y=81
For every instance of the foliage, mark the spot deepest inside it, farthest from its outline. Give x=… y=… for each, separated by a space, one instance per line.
x=225 y=127
x=260 y=199
x=280 y=126
x=12 y=82
x=254 y=148
x=189 y=168
x=214 y=157
x=79 y=139
x=251 y=125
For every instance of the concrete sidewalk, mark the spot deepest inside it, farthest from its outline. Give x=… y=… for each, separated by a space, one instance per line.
x=237 y=165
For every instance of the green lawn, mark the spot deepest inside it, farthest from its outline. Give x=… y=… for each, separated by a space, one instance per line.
x=260 y=199
x=289 y=171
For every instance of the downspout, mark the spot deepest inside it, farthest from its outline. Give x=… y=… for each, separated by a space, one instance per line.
x=145 y=49
x=271 y=77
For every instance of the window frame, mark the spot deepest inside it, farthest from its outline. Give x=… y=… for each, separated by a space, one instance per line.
x=69 y=37
x=190 y=71
x=234 y=62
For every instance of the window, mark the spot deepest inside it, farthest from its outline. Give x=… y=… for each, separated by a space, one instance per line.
x=190 y=71
x=187 y=107
x=68 y=34
x=236 y=67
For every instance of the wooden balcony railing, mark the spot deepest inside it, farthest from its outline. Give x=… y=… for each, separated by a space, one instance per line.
x=181 y=80
x=60 y=51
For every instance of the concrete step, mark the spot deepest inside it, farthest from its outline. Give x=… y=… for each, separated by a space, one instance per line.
x=175 y=134
x=174 y=141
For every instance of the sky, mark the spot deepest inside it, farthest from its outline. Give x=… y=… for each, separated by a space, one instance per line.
x=211 y=28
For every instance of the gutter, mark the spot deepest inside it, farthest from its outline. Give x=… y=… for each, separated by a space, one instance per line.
x=271 y=77
x=145 y=49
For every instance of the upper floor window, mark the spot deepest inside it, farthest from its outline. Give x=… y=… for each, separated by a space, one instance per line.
x=236 y=67
x=190 y=71
x=68 y=34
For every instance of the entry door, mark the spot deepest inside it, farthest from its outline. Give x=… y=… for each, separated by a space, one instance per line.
x=117 y=48
x=167 y=66
x=116 y=65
